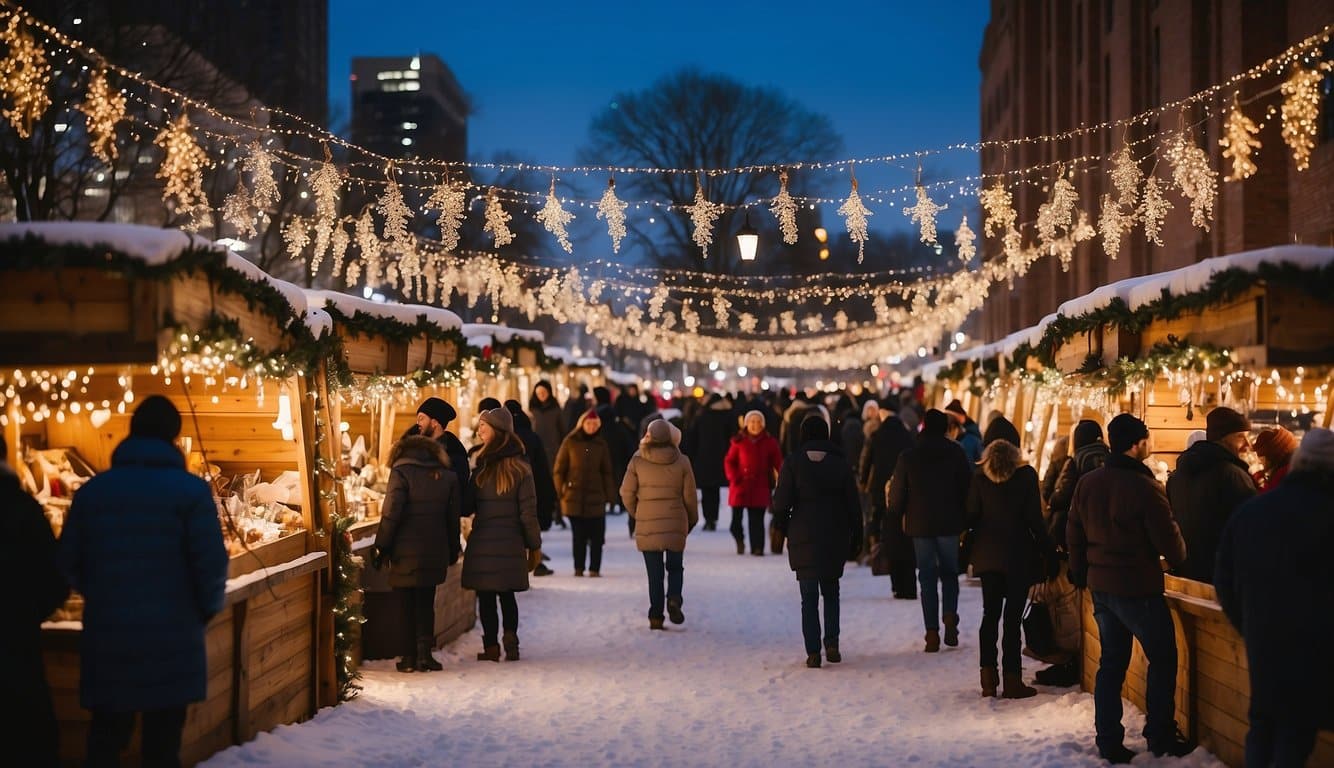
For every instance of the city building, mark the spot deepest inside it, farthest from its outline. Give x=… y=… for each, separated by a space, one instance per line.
x=409 y=106
x=1050 y=67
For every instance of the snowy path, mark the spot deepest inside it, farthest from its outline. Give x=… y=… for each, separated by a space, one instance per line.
x=596 y=687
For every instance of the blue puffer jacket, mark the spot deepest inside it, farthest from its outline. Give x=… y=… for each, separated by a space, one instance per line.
x=143 y=546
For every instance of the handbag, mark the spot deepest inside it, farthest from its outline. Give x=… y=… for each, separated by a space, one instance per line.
x=881 y=564
x=1039 y=634
x=775 y=539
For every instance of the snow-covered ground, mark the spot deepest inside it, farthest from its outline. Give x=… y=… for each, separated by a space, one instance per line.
x=596 y=687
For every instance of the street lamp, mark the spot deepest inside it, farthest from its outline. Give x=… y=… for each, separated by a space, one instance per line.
x=748 y=239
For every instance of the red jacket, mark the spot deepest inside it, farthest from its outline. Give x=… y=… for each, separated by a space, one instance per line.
x=751 y=465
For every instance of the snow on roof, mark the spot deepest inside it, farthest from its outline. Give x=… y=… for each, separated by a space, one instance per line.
x=404 y=313
x=151 y=245
x=294 y=294
x=318 y=321
x=622 y=377
x=502 y=333
x=562 y=354
x=481 y=342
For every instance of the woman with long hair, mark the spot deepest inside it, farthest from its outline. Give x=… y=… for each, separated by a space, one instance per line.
x=505 y=543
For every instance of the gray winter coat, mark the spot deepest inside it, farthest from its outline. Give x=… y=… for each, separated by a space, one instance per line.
x=504 y=528
x=421 y=509
x=659 y=494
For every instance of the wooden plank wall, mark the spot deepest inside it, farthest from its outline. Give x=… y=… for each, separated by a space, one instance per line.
x=1213 y=679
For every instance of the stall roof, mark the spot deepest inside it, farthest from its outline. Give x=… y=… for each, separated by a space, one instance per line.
x=502 y=334
x=403 y=313
x=623 y=378
x=318 y=321
x=564 y=355
x=152 y=245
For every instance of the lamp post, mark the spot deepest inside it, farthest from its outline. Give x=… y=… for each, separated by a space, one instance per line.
x=748 y=239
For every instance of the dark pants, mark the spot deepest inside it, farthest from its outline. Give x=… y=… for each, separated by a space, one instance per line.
x=663 y=566
x=29 y=730
x=937 y=563
x=590 y=533
x=755 y=521
x=709 y=498
x=418 y=618
x=486 y=607
x=1002 y=597
x=811 y=591
x=160 y=743
x=1279 y=740
x=1147 y=620
x=902 y=558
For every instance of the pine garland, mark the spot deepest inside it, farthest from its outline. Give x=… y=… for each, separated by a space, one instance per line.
x=347 y=613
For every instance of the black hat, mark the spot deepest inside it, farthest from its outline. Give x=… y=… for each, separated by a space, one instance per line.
x=486 y=404
x=1087 y=432
x=1224 y=421
x=935 y=422
x=1124 y=431
x=1000 y=428
x=437 y=409
x=813 y=427
x=156 y=417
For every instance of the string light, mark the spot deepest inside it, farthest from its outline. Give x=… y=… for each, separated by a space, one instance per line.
x=103 y=109
x=612 y=209
x=1301 y=111
x=497 y=220
x=1192 y=175
x=1239 y=142
x=182 y=170
x=555 y=218
x=24 y=77
x=854 y=214
x=784 y=209
x=924 y=213
x=702 y=216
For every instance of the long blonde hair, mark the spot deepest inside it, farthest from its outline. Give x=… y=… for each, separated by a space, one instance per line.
x=503 y=471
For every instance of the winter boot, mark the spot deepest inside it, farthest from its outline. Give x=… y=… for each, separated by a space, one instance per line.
x=674 y=610
x=813 y=661
x=951 y=629
x=489 y=653
x=1061 y=675
x=511 y=642
x=1175 y=745
x=1015 y=688
x=406 y=664
x=1117 y=755
x=655 y=622
x=990 y=679
x=740 y=546
x=932 y=641
x=831 y=653
x=425 y=661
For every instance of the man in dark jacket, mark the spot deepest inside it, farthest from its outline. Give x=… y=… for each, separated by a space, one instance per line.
x=143 y=546
x=928 y=491
x=433 y=416
x=1210 y=482
x=970 y=435
x=29 y=731
x=1090 y=452
x=705 y=442
x=879 y=457
x=1120 y=523
x=1274 y=585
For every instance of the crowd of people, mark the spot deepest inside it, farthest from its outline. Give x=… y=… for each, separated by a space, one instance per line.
x=929 y=493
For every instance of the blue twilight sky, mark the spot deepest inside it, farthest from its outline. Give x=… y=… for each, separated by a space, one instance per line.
x=893 y=76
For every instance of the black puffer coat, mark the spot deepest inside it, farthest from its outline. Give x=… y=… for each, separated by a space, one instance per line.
x=706 y=442
x=816 y=507
x=930 y=486
x=504 y=528
x=1005 y=517
x=536 y=455
x=1210 y=482
x=879 y=457
x=419 y=525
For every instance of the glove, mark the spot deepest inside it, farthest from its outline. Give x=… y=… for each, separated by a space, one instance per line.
x=534 y=559
x=378 y=558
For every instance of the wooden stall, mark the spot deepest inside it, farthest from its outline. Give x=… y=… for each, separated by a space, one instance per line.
x=513 y=359
x=96 y=317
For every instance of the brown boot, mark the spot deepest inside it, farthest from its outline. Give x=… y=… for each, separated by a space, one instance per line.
x=489 y=653
x=511 y=642
x=951 y=629
x=932 y=641
x=990 y=679
x=1015 y=688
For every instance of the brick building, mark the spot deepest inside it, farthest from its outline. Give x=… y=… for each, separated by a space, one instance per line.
x=1052 y=66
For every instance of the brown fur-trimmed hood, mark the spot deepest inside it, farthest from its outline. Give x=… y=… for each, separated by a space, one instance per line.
x=418 y=449
x=1000 y=460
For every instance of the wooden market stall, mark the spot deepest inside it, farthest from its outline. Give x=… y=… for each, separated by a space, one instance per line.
x=513 y=359
x=96 y=317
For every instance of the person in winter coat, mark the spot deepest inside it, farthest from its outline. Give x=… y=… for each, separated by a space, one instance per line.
x=505 y=543
x=621 y=440
x=142 y=545
x=816 y=509
x=1090 y=453
x=583 y=475
x=970 y=435
x=1120 y=524
x=547 y=417
x=1274 y=586
x=879 y=457
x=1060 y=456
x=1275 y=448
x=29 y=731
x=659 y=494
x=1009 y=549
x=706 y=442
x=1210 y=482
x=751 y=465
x=535 y=453
x=433 y=416
x=928 y=492
x=418 y=538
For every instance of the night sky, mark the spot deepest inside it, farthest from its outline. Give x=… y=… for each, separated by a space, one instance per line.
x=892 y=76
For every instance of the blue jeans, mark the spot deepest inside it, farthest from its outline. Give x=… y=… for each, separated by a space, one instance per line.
x=811 y=590
x=1277 y=740
x=1147 y=620
x=937 y=558
x=655 y=562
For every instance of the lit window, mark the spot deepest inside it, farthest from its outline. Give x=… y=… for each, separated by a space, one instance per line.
x=77 y=21
x=409 y=126
x=62 y=127
x=411 y=75
x=407 y=141
x=396 y=87
x=416 y=63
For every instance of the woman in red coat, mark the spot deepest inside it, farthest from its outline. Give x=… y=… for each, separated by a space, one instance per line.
x=752 y=463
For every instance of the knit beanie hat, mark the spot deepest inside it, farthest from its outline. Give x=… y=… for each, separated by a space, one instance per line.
x=1000 y=428
x=1316 y=453
x=487 y=403
x=935 y=422
x=156 y=417
x=1224 y=421
x=1124 y=431
x=498 y=419
x=1276 y=445
x=1087 y=432
x=957 y=412
x=758 y=414
x=813 y=427
x=437 y=409
x=659 y=432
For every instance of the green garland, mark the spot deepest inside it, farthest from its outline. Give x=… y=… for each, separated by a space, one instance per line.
x=346 y=613
x=363 y=323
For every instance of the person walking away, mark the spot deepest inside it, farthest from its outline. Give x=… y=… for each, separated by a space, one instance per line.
x=421 y=508
x=1275 y=448
x=705 y=442
x=143 y=546
x=970 y=435
x=816 y=509
x=549 y=423
x=1275 y=588
x=1060 y=456
x=928 y=492
x=878 y=459
x=852 y=433
x=621 y=442
x=1010 y=550
x=583 y=477
x=659 y=494
x=1210 y=482
x=505 y=543
x=30 y=732
x=536 y=456
x=1120 y=524
x=751 y=465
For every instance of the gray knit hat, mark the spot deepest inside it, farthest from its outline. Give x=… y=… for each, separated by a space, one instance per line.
x=499 y=419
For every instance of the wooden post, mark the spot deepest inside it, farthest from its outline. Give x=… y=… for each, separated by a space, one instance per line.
x=1047 y=416
x=14 y=435
x=384 y=431
x=1325 y=422
x=241 y=725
